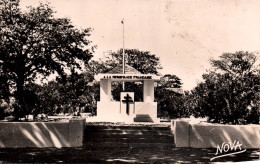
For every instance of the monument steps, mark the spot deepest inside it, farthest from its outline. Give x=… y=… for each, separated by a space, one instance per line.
x=144 y=136
x=128 y=134
x=106 y=145
x=129 y=127
x=132 y=140
x=116 y=135
x=143 y=118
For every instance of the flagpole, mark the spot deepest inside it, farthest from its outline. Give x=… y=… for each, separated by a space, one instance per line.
x=123 y=52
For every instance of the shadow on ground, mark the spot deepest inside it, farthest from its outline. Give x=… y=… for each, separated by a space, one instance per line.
x=127 y=155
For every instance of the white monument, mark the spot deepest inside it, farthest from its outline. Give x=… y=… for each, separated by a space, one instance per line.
x=126 y=110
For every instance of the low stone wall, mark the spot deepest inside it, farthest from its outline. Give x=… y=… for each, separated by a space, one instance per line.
x=42 y=134
x=205 y=135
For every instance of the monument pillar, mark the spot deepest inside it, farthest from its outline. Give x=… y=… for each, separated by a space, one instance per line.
x=148 y=91
x=105 y=90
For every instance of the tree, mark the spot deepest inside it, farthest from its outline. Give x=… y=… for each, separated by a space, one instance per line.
x=4 y=94
x=143 y=61
x=77 y=93
x=35 y=43
x=170 y=103
x=170 y=81
x=229 y=91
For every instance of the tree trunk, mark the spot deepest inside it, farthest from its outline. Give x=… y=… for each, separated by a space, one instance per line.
x=20 y=72
x=20 y=96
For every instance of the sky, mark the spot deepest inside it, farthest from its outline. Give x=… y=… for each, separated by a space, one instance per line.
x=185 y=34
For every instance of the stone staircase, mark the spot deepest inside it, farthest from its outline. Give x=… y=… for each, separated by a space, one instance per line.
x=128 y=136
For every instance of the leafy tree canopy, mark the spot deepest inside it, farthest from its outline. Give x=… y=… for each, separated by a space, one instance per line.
x=143 y=61
x=170 y=81
x=229 y=92
x=36 y=43
x=76 y=93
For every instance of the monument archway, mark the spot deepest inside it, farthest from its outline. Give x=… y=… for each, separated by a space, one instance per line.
x=126 y=110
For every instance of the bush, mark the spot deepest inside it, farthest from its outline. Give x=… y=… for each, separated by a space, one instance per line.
x=170 y=104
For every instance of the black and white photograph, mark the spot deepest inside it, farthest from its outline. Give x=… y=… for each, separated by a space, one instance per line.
x=129 y=81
